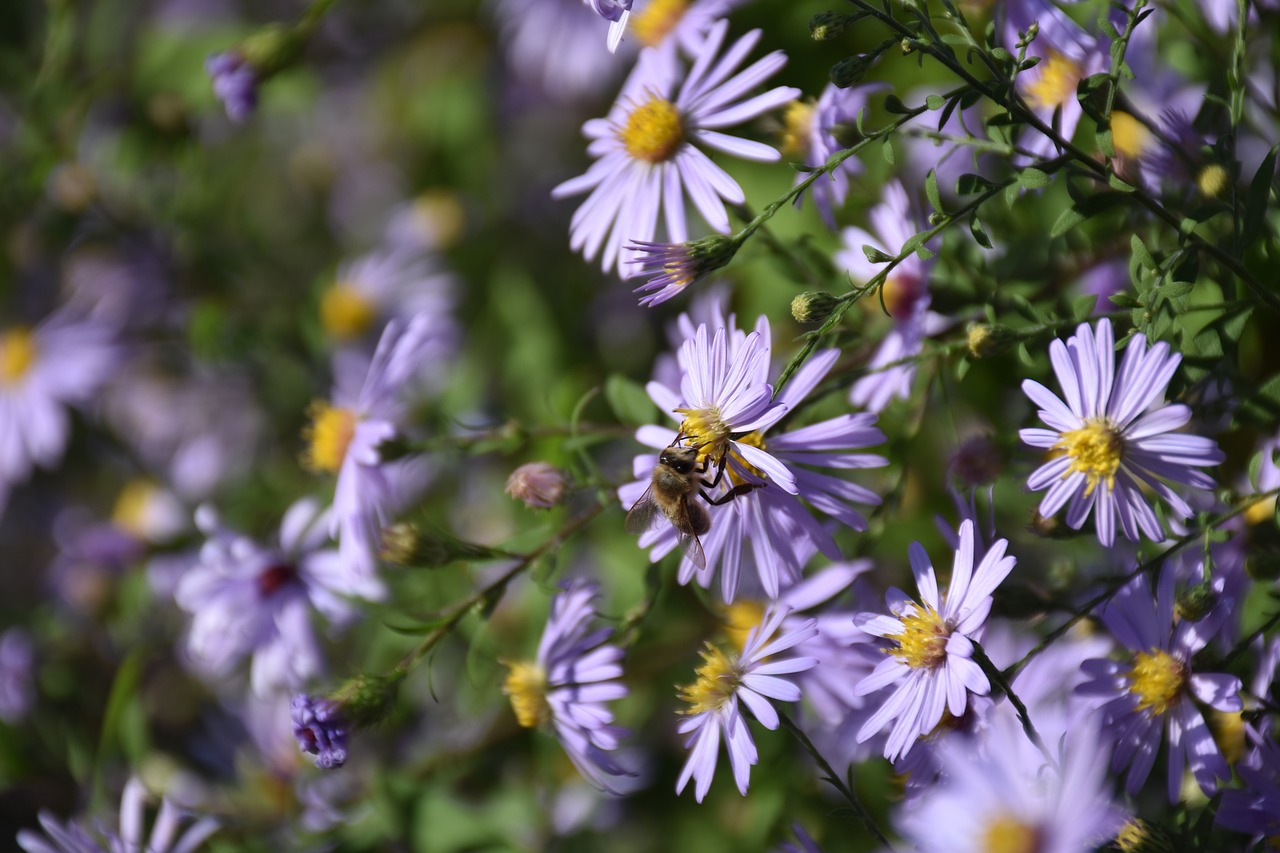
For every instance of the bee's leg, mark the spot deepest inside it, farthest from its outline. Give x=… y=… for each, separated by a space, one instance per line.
x=724 y=460
x=736 y=491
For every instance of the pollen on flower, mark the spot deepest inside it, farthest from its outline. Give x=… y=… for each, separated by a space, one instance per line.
x=797 y=125
x=739 y=618
x=1157 y=678
x=654 y=131
x=755 y=439
x=526 y=686
x=922 y=643
x=1055 y=84
x=1096 y=450
x=345 y=313
x=1007 y=834
x=327 y=437
x=17 y=354
x=1129 y=136
x=660 y=17
x=706 y=431
x=1212 y=180
x=718 y=679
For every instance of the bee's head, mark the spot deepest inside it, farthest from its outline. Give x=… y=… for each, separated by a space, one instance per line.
x=682 y=459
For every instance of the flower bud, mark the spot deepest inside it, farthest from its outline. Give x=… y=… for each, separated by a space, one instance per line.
x=813 y=306
x=825 y=26
x=321 y=729
x=850 y=71
x=1138 y=836
x=986 y=340
x=538 y=485
x=1196 y=602
x=405 y=544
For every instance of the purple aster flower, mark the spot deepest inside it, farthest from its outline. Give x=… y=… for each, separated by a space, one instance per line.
x=566 y=687
x=61 y=362
x=580 y=66
x=673 y=27
x=905 y=293
x=368 y=407
x=1114 y=435
x=816 y=131
x=1001 y=794
x=249 y=600
x=1156 y=690
x=321 y=729
x=1067 y=54
x=751 y=678
x=1255 y=808
x=932 y=668
x=129 y=838
x=371 y=289
x=538 y=485
x=781 y=531
x=646 y=157
x=669 y=268
x=235 y=84
x=17 y=675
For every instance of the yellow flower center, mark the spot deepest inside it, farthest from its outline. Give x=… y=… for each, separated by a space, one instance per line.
x=1156 y=679
x=739 y=618
x=327 y=437
x=654 y=131
x=1007 y=834
x=526 y=686
x=17 y=354
x=922 y=643
x=439 y=215
x=1055 y=83
x=345 y=313
x=1096 y=450
x=130 y=511
x=1212 y=180
x=1129 y=136
x=705 y=431
x=1261 y=511
x=755 y=439
x=718 y=678
x=1229 y=733
x=797 y=126
x=660 y=17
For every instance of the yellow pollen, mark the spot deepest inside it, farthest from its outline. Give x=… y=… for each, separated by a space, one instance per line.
x=440 y=215
x=17 y=354
x=327 y=437
x=1055 y=83
x=755 y=439
x=1129 y=136
x=1212 y=180
x=739 y=618
x=1156 y=679
x=718 y=678
x=1261 y=511
x=658 y=18
x=526 y=685
x=705 y=431
x=922 y=643
x=1007 y=834
x=654 y=131
x=130 y=511
x=1096 y=450
x=1229 y=733
x=797 y=125
x=1132 y=836
x=345 y=313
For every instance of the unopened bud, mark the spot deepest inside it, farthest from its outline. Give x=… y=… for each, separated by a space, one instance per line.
x=405 y=544
x=1196 y=602
x=538 y=485
x=813 y=306
x=271 y=49
x=366 y=700
x=907 y=47
x=848 y=72
x=986 y=340
x=825 y=26
x=1138 y=836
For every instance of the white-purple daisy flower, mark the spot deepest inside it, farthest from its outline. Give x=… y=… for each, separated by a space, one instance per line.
x=371 y=289
x=648 y=154
x=817 y=130
x=369 y=405
x=999 y=793
x=568 y=684
x=780 y=530
x=131 y=835
x=905 y=294
x=248 y=600
x=1156 y=689
x=43 y=370
x=752 y=679
x=1113 y=435
x=1255 y=808
x=931 y=669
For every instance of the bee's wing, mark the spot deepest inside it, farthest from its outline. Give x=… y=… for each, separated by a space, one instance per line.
x=643 y=514
x=692 y=547
x=692 y=519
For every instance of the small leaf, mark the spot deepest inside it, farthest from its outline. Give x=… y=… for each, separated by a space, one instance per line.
x=629 y=401
x=924 y=253
x=1032 y=178
x=931 y=191
x=934 y=102
x=893 y=105
x=979 y=233
x=1125 y=299
x=1116 y=183
x=875 y=256
x=1255 y=203
x=1082 y=306
x=971 y=184
x=887 y=150
x=1176 y=289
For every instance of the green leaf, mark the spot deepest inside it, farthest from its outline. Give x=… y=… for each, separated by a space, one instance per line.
x=979 y=233
x=1025 y=308
x=893 y=105
x=1086 y=208
x=935 y=102
x=629 y=401
x=875 y=256
x=924 y=253
x=1176 y=289
x=1125 y=299
x=971 y=184
x=887 y=150
x=1139 y=255
x=1032 y=178
x=1117 y=183
x=1255 y=203
x=931 y=191
x=1082 y=306
x=1106 y=141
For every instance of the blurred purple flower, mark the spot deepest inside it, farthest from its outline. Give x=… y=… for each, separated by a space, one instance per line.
x=1255 y=808
x=1113 y=436
x=580 y=65
x=752 y=678
x=646 y=159
x=321 y=730
x=17 y=675
x=816 y=131
x=383 y=285
x=1157 y=689
x=235 y=84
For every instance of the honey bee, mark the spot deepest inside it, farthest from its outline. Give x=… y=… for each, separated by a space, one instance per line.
x=677 y=481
